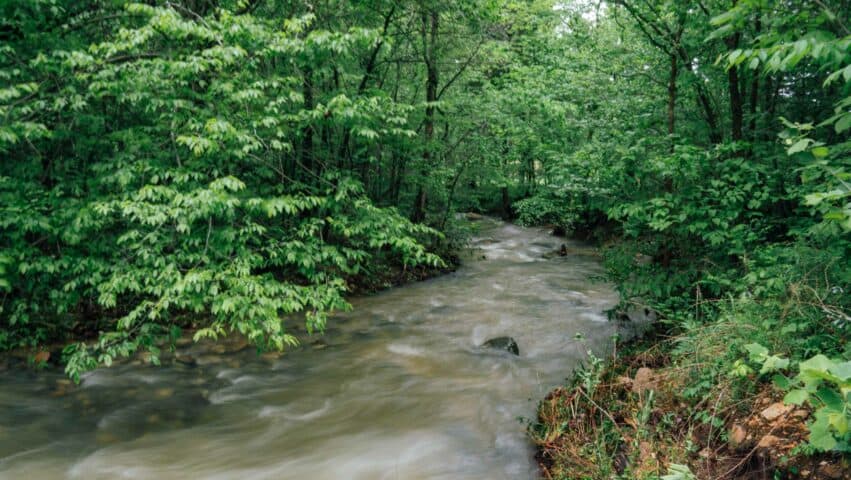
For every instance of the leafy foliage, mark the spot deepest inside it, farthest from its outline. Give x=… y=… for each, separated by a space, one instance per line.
x=821 y=382
x=228 y=164
x=708 y=143
x=158 y=177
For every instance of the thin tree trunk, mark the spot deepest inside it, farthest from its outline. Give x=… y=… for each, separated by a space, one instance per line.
x=451 y=195
x=736 y=102
x=736 y=106
x=754 y=101
x=672 y=86
x=430 y=25
x=398 y=172
x=672 y=97
x=307 y=131
x=505 y=204
x=704 y=102
x=754 y=104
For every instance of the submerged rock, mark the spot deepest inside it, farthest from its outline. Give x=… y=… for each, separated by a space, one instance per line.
x=185 y=359
x=561 y=252
x=503 y=343
x=271 y=356
x=163 y=392
x=209 y=360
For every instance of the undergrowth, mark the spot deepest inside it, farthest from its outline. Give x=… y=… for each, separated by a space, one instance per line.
x=730 y=342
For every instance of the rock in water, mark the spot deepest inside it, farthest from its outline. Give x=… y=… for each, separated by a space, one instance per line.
x=561 y=252
x=503 y=343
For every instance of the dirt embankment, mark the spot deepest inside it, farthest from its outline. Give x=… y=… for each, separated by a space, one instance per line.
x=632 y=418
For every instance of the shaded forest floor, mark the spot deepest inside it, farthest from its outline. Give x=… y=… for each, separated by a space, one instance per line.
x=628 y=417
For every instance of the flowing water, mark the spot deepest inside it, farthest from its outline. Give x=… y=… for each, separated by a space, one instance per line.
x=399 y=388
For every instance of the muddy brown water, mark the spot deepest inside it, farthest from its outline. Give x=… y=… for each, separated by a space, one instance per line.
x=399 y=388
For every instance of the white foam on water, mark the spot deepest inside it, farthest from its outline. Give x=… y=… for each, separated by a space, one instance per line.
x=406 y=350
x=287 y=413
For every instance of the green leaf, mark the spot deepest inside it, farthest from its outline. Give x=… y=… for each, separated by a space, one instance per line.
x=818 y=363
x=773 y=363
x=831 y=399
x=820 y=152
x=679 y=472
x=842 y=370
x=799 y=146
x=844 y=123
x=756 y=352
x=796 y=397
x=821 y=437
x=781 y=381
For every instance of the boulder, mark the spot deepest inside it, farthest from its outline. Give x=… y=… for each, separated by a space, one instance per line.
x=503 y=343
x=738 y=437
x=769 y=441
x=801 y=413
x=41 y=357
x=831 y=470
x=271 y=356
x=635 y=314
x=561 y=252
x=775 y=410
x=238 y=344
x=185 y=359
x=209 y=360
x=645 y=379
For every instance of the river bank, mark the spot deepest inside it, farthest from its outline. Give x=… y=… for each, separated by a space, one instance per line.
x=385 y=276
x=686 y=402
x=627 y=417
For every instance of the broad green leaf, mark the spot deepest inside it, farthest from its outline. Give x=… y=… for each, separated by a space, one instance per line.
x=796 y=397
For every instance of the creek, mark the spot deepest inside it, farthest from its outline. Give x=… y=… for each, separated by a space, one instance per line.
x=399 y=388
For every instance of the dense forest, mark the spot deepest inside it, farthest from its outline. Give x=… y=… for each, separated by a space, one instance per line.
x=235 y=165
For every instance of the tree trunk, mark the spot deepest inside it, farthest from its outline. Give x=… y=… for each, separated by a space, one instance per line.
x=754 y=104
x=430 y=22
x=754 y=101
x=736 y=107
x=703 y=100
x=419 y=205
x=505 y=204
x=736 y=103
x=672 y=97
x=307 y=130
x=398 y=173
